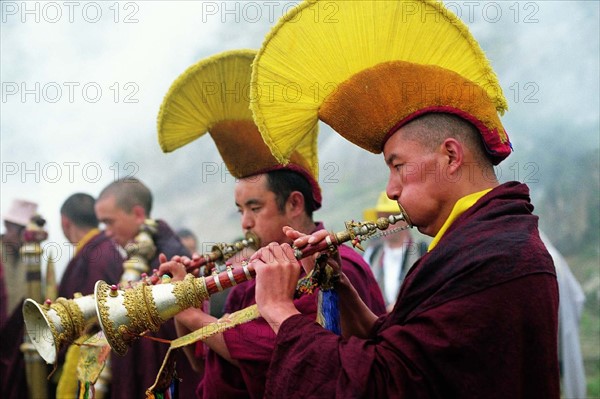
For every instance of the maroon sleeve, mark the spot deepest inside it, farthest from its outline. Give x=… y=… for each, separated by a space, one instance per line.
x=3 y=315
x=252 y=344
x=443 y=352
x=360 y=275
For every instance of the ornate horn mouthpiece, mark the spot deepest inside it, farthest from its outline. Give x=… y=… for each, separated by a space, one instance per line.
x=53 y=326
x=125 y=314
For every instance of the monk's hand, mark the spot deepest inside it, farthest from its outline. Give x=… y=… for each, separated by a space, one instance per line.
x=302 y=240
x=182 y=259
x=277 y=272
x=174 y=268
x=187 y=262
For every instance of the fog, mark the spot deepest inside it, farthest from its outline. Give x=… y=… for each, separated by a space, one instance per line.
x=82 y=83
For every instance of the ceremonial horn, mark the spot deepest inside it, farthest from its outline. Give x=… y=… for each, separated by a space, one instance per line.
x=125 y=314
x=53 y=326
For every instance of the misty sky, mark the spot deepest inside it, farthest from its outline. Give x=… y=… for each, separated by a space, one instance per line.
x=82 y=82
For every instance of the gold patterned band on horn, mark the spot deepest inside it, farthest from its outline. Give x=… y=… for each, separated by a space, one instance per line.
x=113 y=335
x=190 y=292
x=125 y=314
x=141 y=309
x=72 y=317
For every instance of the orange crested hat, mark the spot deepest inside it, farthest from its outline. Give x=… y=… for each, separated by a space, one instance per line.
x=368 y=67
x=213 y=96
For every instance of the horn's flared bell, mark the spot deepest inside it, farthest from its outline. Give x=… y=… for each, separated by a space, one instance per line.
x=53 y=326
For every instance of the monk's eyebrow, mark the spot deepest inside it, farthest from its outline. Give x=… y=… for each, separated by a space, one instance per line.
x=391 y=158
x=250 y=202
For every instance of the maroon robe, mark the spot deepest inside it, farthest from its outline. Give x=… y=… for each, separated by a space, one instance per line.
x=476 y=318
x=13 y=380
x=3 y=311
x=252 y=343
x=98 y=259
x=135 y=372
x=12 y=364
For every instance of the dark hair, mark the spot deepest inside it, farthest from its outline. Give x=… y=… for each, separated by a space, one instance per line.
x=440 y=126
x=283 y=182
x=79 y=208
x=128 y=193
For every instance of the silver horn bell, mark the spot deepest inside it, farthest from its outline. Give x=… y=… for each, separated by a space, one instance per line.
x=53 y=326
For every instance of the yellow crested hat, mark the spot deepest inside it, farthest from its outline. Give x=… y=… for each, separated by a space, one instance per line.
x=213 y=96
x=384 y=205
x=366 y=68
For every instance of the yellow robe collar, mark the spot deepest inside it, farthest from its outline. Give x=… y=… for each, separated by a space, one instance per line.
x=86 y=238
x=459 y=208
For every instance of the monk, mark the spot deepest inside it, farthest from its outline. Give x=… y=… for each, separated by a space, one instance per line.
x=476 y=316
x=268 y=196
x=123 y=206
x=96 y=256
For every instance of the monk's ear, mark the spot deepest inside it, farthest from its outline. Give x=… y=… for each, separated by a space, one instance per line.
x=65 y=222
x=140 y=213
x=454 y=151
x=295 y=203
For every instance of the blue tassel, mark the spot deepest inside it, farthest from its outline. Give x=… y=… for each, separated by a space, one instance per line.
x=170 y=392
x=329 y=310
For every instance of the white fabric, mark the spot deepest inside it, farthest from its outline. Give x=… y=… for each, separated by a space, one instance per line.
x=570 y=307
x=392 y=264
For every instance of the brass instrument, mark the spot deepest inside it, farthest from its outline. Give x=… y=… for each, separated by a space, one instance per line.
x=52 y=326
x=125 y=314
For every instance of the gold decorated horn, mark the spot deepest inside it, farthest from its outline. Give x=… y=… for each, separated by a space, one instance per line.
x=125 y=314
x=53 y=326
